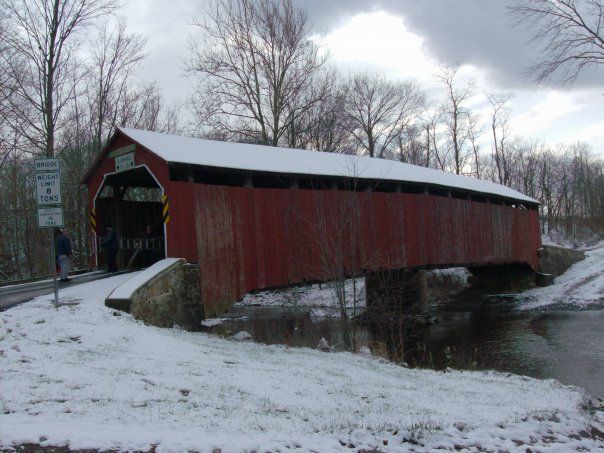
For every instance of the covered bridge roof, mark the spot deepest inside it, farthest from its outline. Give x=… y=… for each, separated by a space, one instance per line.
x=196 y=151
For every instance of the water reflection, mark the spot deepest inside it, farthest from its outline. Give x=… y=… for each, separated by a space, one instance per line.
x=565 y=345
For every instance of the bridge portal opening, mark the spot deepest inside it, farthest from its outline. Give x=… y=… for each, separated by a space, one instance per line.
x=131 y=202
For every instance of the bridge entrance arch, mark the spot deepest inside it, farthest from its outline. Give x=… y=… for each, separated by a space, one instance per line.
x=132 y=202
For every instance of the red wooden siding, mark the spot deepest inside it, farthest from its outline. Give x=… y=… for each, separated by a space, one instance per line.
x=180 y=231
x=249 y=238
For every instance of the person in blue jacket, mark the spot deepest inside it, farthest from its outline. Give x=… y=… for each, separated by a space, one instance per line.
x=64 y=254
x=111 y=246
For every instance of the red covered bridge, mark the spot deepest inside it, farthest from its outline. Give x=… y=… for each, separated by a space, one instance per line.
x=258 y=217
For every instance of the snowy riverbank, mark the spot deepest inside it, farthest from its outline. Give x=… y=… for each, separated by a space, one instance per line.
x=322 y=296
x=581 y=286
x=89 y=377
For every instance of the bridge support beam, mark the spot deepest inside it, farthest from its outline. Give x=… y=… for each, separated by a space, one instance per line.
x=508 y=278
x=399 y=292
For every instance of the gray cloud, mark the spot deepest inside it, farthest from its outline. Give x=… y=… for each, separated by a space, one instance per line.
x=476 y=32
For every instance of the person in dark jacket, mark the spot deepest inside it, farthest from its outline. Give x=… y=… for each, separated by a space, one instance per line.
x=64 y=253
x=111 y=246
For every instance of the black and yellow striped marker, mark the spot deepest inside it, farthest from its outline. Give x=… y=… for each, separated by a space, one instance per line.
x=93 y=221
x=166 y=209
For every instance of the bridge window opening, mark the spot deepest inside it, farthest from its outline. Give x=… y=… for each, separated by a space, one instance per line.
x=363 y=185
x=131 y=202
x=317 y=183
x=347 y=184
x=260 y=180
x=438 y=192
x=217 y=177
x=459 y=195
x=270 y=181
x=178 y=173
x=479 y=198
x=412 y=188
x=305 y=182
x=386 y=186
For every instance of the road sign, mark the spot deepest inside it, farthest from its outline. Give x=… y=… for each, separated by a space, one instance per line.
x=48 y=192
x=50 y=164
x=50 y=217
x=124 y=162
x=48 y=188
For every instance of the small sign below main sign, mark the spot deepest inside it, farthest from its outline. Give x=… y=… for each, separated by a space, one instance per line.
x=124 y=162
x=48 y=187
x=50 y=164
x=50 y=217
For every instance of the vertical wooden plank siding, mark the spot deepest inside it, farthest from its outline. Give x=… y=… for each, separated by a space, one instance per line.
x=250 y=238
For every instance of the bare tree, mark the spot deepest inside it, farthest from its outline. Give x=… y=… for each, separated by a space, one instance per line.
x=143 y=107
x=500 y=130
x=323 y=127
x=430 y=124
x=9 y=134
x=336 y=228
x=474 y=132
x=379 y=110
x=115 y=56
x=570 y=33
x=43 y=34
x=456 y=115
x=256 y=61
x=5 y=93
x=410 y=146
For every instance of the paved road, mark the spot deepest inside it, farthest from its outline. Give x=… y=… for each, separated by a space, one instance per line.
x=17 y=294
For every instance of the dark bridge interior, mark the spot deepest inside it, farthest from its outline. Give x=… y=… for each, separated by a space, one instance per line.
x=130 y=201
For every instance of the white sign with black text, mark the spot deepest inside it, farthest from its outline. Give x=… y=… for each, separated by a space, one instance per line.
x=50 y=217
x=50 y=164
x=124 y=162
x=48 y=188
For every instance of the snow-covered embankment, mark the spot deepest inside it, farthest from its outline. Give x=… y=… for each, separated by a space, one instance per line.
x=89 y=377
x=580 y=286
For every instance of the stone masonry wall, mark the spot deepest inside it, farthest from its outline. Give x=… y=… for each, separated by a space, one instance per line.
x=557 y=260
x=171 y=298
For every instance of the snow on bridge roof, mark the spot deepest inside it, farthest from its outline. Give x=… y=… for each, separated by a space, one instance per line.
x=196 y=151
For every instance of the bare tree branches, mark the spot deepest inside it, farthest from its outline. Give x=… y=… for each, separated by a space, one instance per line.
x=115 y=56
x=500 y=131
x=43 y=37
x=570 y=33
x=379 y=110
x=256 y=64
x=456 y=115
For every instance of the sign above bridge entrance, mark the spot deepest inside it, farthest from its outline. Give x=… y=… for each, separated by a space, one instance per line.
x=122 y=150
x=124 y=162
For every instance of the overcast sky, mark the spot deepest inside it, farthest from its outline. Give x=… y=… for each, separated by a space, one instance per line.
x=407 y=39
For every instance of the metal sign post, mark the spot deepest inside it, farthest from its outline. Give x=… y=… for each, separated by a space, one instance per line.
x=50 y=212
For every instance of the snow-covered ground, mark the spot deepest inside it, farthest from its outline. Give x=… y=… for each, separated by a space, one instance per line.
x=319 y=296
x=86 y=376
x=581 y=286
x=322 y=296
